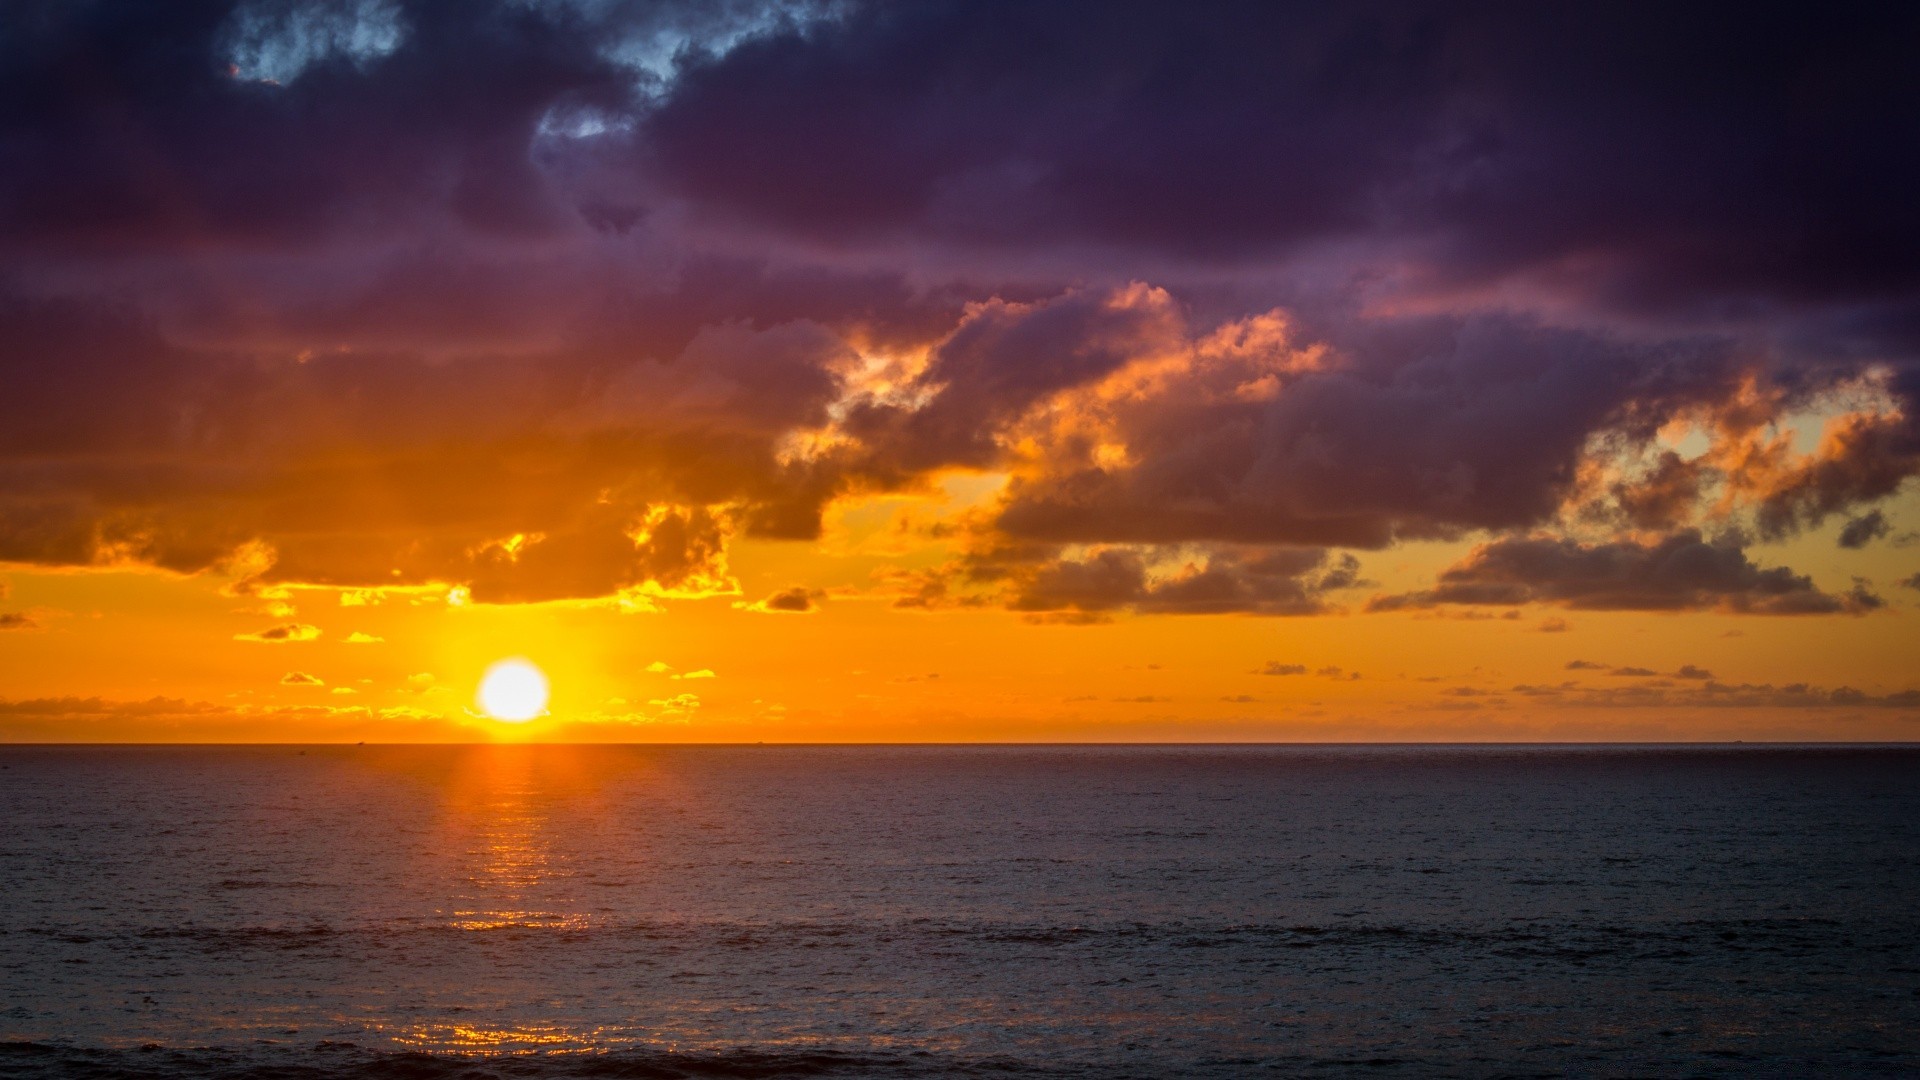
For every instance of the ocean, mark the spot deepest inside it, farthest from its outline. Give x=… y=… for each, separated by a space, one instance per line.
x=1097 y=911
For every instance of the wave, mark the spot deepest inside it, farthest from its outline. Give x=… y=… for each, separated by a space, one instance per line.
x=329 y=1060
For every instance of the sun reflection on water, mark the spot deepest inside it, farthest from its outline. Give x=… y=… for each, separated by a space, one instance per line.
x=479 y=1039
x=511 y=873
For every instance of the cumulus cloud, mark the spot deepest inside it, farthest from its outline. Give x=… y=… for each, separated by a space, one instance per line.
x=300 y=678
x=359 y=638
x=1680 y=572
x=285 y=632
x=1275 y=667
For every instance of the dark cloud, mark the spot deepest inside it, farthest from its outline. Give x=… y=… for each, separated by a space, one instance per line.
x=283 y=633
x=1676 y=149
x=126 y=128
x=1409 y=431
x=1584 y=665
x=18 y=620
x=1284 y=581
x=553 y=301
x=300 y=678
x=1275 y=667
x=1863 y=530
x=1680 y=572
x=1863 y=457
x=797 y=600
x=1689 y=671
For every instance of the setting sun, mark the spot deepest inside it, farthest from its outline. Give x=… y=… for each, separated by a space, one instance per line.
x=513 y=690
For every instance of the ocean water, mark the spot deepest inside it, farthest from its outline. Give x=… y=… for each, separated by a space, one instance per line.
x=486 y=912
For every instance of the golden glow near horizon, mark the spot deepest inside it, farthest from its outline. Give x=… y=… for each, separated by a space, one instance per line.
x=403 y=665
x=513 y=690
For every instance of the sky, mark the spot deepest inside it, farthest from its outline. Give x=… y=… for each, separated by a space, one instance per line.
x=818 y=371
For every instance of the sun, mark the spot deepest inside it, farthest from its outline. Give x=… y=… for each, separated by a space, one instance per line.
x=513 y=690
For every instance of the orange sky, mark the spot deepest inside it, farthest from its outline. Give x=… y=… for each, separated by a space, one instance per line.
x=403 y=665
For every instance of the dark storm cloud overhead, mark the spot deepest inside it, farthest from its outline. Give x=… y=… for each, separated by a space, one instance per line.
x=1680 y=572
x=1694 y=148
x=1699 y=153
x=123 y=127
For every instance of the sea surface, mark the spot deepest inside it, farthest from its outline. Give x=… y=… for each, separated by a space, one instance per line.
x=480 y=912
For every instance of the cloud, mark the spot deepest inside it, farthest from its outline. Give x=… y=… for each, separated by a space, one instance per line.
x=1275 y=667
x=1166 y=581
x=95 y=719
x=358 y=638
x=558 y=302
x=797 y=600
x=300 y=678
x=1861 y=531
x=1679 y=572
x=678 y=709
x=285 y=632
x=702 y=673
x=1689 y=671
x=1713 y=694
x=18 y=620
x=1510 y=136
x=1584 y=665
x=1553 y=626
